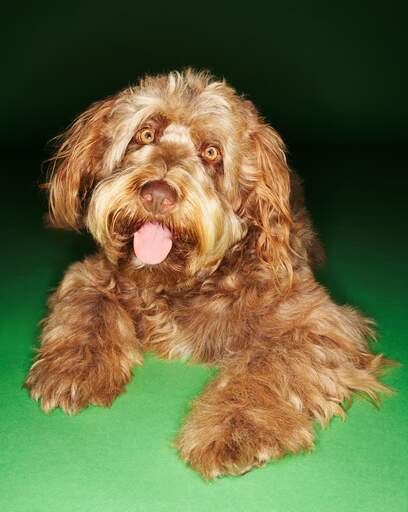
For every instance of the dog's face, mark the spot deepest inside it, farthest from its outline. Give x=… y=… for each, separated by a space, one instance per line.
x=171 y=174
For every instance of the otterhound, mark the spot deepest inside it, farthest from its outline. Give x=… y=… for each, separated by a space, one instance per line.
x=206 y=253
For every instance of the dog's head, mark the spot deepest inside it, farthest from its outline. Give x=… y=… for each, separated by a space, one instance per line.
x=171 y=174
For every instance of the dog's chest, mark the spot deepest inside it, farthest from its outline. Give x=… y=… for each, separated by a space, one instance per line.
x=193 y=325
x=162 y=330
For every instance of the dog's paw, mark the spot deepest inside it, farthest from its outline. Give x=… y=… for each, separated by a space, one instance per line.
x=218 y=457
x=233 y=447
x=71 y=384
x=237 y=444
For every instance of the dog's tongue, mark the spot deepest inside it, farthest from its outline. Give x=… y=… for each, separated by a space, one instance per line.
x=152 y=243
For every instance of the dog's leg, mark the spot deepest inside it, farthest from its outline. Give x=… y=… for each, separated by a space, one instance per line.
x=88 y=343
x=263 y=403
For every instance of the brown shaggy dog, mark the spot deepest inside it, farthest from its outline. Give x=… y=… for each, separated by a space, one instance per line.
x=205 y=253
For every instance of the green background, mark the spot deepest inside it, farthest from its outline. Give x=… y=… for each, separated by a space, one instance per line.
x=331 y=77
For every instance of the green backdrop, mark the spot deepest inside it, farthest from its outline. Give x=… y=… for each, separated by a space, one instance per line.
x=332 y=79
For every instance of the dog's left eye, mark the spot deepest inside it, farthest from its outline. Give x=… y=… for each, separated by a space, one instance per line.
x=211 y=154
x=145 y=136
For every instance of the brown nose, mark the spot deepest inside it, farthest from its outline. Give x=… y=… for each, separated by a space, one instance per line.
x=158 y=197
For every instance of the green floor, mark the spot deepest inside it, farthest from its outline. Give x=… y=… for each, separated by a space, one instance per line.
x=121 y=459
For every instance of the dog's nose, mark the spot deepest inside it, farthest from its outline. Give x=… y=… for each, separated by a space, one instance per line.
x=158 y=197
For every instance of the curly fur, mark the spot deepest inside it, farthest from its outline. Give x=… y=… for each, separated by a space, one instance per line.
x=236 y=291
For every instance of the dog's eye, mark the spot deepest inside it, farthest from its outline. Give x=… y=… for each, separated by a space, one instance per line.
x=145 y=136
x=211 y=154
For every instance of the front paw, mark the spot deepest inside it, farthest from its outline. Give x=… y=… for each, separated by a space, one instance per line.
x=232 y=445
x=72 y=380
x=216 y=450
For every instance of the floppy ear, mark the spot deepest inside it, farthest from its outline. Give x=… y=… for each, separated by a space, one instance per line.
x=269 y=207
x=76 y=164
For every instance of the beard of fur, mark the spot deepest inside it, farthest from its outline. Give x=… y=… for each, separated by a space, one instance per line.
x=115 y=213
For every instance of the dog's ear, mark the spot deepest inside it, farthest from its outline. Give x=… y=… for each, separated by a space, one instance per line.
x=75 y=165
x=268 y=205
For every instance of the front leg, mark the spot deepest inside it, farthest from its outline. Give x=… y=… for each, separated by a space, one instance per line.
x=88 y=343
x=243 y=419
x=263 y=403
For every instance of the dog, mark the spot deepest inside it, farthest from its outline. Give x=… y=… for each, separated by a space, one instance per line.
x=206 y=253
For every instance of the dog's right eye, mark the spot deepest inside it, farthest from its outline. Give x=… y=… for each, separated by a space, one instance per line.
x=211 y=154
x=145 y=136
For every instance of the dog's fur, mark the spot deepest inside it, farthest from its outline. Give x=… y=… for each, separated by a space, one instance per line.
x=236 y=291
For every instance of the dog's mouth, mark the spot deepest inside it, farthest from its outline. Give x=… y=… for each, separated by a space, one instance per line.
x=152 y=243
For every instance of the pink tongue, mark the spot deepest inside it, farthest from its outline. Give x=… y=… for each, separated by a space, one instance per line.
x=152 y=243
